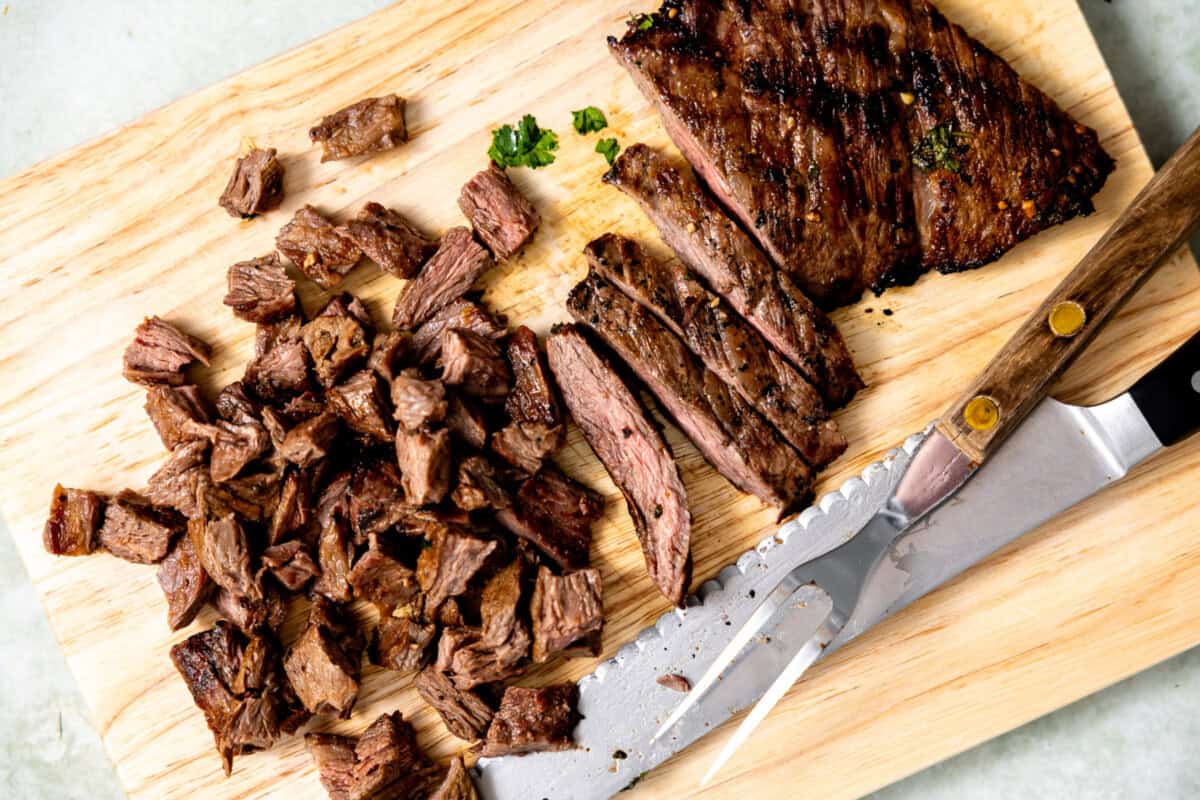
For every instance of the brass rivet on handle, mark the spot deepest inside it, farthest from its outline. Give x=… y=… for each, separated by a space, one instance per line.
x=982 y=413
x=1067 y=319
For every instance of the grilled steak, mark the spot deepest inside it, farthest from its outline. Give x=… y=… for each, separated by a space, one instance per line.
x=362 y=405
x=464 y=419
x=382 y=578
x=531 y=720
x=256 y=185
x=730 y=434
x=448 y=275
x=567 y=613
x=179 y=415
x=725 y=343
x=317 y=248
x=224 y=551
x=402 y=645
x=74 y=520
x=260 y=290
x=729 y=261
x=184 y=583
x=291 y=564
x=536 y=427
x=457 y=784
x=445 y=567
x=418 y=403
x=338 y=346
x=555 y=514
x=462 y=314
x=324 y=664
x=390 y=240
x=475 y=365
x=235 y=446
x=424 y=459
x=368 y=126
x=387 y=352
x=478 y=485
x=634 y=453
x=160 y=352
x=335 y=554
x=795 y=115
x=376 y=500
x=384 y=762
x=280 y=367
x=137 y=531
x=175 y=483
x=501 y=216
x=465 y=713
x=311 y=440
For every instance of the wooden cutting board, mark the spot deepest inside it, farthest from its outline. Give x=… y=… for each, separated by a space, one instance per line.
x=128 y=225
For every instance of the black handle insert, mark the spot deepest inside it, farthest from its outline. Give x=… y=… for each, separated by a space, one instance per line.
x=1169 y=395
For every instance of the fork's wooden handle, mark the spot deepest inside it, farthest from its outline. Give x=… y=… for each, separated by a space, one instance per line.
x=1160 y=219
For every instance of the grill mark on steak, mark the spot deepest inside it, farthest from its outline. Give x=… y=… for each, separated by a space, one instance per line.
x=732 y=266
x=725 y=343
x=730 y=434
x=625 y=440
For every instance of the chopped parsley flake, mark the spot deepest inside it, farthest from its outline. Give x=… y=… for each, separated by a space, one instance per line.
x=589 y=120
x=941 y=149
x=526 y=145
x=609 y=149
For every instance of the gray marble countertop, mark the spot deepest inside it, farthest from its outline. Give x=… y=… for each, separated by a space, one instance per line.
x=70 y=71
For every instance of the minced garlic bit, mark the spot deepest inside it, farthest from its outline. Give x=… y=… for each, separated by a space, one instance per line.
x=1002 y=205
x=1080 y=130
x=716 y=301
x=672 y=13
x=791 y=123
x=1054 y=151
x=714 y=94
x=310 y=259
x=812 y=216
x=691 y=227
x=1029 y=208
x=908 y=98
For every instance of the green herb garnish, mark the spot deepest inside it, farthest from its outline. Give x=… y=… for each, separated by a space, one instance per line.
x=527 y=145
x=643 y=22
x=941 y=148
x=609 y=149
x=589 y=120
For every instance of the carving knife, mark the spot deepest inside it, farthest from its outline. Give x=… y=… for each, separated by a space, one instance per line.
x=1003 y=460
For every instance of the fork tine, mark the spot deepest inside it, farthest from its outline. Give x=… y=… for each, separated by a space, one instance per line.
x=778 y=597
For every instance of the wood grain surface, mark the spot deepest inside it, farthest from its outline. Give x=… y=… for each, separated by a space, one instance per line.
x=128 y=225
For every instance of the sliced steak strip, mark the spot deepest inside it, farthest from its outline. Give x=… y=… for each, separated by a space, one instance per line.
x=465 y=713
x=536 y=427
x=555 y=514
x=175 y=483
x=324 y=664
x=137 y=531
x=462 y=314
x=567 y=613
x=390 y=240
x=424 y=458
x=475 y=365
x=179 y=415
x=73 y=523
x=260 y=290
x=184 y=583
x=418 y=403
x=381 y=577
x=726 y=258
x=402 y=645
x=626 y=441
x=735 y=440
x=368 y=126
x=501 y=216
x=362 y=405
x=448 y=564
x=457 y=784
x=725 y=343
x=160 y=352
x=447 y=276
x=338 y=346
x=317 y=248
x=533 y=720
x=256 y=185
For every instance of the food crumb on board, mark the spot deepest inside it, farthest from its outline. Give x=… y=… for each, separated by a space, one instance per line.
x=676 y=683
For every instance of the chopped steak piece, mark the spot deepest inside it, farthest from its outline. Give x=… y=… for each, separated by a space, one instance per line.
x=159 y=353
x=417 y=402
x=175 y=483
x=478 y=486
x=338 y=345
x=334 y=757
x=376 y=499
x=317 y=248
x=501 y=216
x=809 y=142
x=335 y=554
x=723 y=427
x=311 y=440
x=380 y=577
x=725 y=343
x=334 y=500
x=387 y=353
x=402 y=645
x=324 y=665
x=448 y=564
x=179 y=415
x=503 y=645
x=253 y=496
x=447 y=276
x=225 y=553
x=279 y=370
x=625 y=440
x=465 y=713
x=235 y=446
x=260 y=290
x=73 y=522
x=234 y=405
x=361 y=404
x=184 y=582
x=566 y=610
x=676 y=683
x=390 y=240
x=424 y=459
x=453 y=639
x=475 y=365
x=294 y=509
x=291 y=564
x=457 y=784
x=252 y=615
x=726 y=258
x=383 y=764
x=340 y=623
x=536 y=428
x=368 y=126
x=256 y=185
x=347 y=305
x=556 y=514
x=462 y=314
x=137 y=531
x=532 y=720
x=465 y=420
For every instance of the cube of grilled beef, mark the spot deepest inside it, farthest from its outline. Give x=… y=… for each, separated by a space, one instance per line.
x=417 y=402
x=221 y=544
x=347 y=305
x=291 y=564
x=502 y=647
x=333 y=502
x=178 y=415
x=536 y=427
x=462 y=314
x=567 y=611
x=478 y=485
x=555 y=513
x=631 y=448
x=360 y=402
x=233 y=404
x=184 y=583
x=311 y=440
x=137 y=531
x=457 y=784
x=464 y=712
x=501 y=216
x=338 y=346
x=279 y=370
x=448 y=614
x=475 y=364
x=325 y=663
x=465 y=420
x=453 y=639
x=384 y=762
x=253 y=495
x=424 y=458
x=402 y=644
x=317 y=248
x=335 y=554
x=260 y=290
x=235 y=446
x=368 y=126
x=73 y=523
x=294 y=510
x=376 y=499
x=532 y=720
x=390 y=240
x=447 y=276
x=263 y=613
x=446 y=566
x=176 y=482
x=256 y=185
x=238 y=684
x=160 y=352
x=388 y=352
x=380 y=577
x=334 y=757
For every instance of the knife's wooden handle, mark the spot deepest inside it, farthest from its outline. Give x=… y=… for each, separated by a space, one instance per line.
x=1160 y=219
